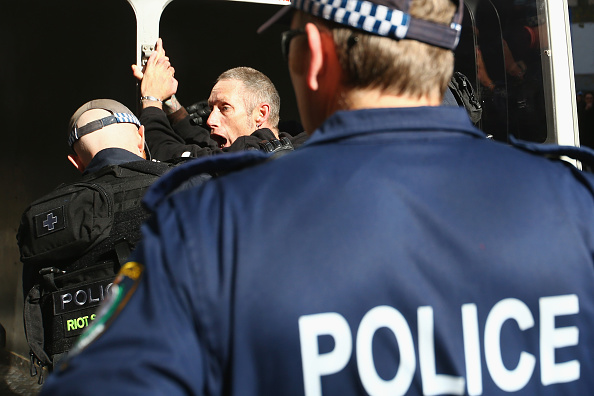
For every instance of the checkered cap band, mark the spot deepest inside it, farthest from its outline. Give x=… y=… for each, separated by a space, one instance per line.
x=360 y=14
x=127 y=118
x=115 y=118
x=383 y=20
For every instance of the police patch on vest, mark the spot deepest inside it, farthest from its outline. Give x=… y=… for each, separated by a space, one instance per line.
x=77 y=298
x=50 y=221
x=120 y=292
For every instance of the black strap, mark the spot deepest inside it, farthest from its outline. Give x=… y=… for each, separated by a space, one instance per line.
x=95 y=125
x=122 y=250
x=34 y=330
x=48 y=277
x=462 y=90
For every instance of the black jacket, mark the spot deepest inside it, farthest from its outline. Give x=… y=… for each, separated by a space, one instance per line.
x=175 y=136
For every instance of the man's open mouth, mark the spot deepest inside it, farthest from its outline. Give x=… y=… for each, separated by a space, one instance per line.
x=221 y=141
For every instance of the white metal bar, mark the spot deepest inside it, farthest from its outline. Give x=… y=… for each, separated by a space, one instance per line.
x=148 y=14
x=563 y=89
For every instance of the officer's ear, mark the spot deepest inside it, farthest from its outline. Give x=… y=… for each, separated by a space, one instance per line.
x=316 y=49
x=77 y=162
x=141 y=141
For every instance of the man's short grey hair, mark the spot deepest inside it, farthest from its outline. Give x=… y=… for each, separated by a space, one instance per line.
x=257 y=89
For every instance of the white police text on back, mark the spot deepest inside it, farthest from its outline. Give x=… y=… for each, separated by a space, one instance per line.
x=316 y=364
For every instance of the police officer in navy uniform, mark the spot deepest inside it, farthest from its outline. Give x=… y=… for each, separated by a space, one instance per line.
x=59 y=235
x=117 y=141
x=423 y=258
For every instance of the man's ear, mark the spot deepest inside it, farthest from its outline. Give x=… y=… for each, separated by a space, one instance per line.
x=262 y=112
x=316 y=64
x=76 y=161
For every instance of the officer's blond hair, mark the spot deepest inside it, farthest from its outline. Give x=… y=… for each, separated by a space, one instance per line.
x=398 y=67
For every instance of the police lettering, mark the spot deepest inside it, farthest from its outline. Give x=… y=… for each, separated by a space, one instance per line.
x=79 y=323
x=316 y=364
x=84 y=297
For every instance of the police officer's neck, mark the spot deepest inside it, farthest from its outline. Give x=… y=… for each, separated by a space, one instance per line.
x=365 y=99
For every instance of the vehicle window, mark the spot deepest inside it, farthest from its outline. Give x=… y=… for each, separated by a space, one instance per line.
x=501 y=51
x=582 y=32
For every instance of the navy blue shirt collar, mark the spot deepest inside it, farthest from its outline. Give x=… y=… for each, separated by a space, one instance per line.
x=344 y=124
x=110 y=156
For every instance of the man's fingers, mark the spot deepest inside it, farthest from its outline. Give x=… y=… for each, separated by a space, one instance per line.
x=153 y=58
x=159 y=47
x=164 y=62
x=137 y=72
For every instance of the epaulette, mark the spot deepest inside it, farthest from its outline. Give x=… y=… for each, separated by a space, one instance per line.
x=583 y=154
x=555 y=152
x=197 y=171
